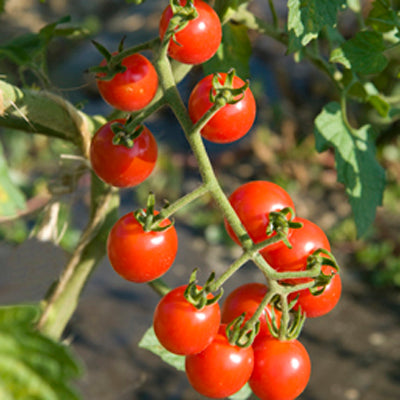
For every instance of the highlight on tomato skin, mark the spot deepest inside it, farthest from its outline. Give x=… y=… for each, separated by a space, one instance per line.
x=221 y=369
x=133 y=89
x=199 y=40
x=232 y=121
x=119 y=165
x=282 y=369
x=182 y=328
x=140 y=256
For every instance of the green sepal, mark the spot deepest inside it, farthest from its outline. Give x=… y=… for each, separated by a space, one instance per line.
x=224 y=93
x=148 y=219
x=199 y=297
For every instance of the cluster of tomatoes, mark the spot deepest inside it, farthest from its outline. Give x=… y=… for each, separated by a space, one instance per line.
x=275 y=369
x=141 y=247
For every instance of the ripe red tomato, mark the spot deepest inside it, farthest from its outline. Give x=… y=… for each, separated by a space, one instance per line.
x=253 y=201
x=199 y=40
x=140 y=256
x=245 y=299
x=119 y=165
x=132 y=89
x=281 y=369
x=321 y=304
x=182 y=328
x=304 y=242
x=221 y=369
x=232 y=121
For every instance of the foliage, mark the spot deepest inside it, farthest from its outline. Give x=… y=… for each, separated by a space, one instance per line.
x=32 y=366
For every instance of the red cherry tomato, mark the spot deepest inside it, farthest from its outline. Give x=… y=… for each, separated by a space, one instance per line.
x=119 y=165
x=182 y=328
x=140 y=256
x=253 y=201
x=232 y=121
x=321 y=304
x=246 y=299
x=132 y=89
x=199 y=40
x=304 y=241
x=221 y=369
x=281 y=369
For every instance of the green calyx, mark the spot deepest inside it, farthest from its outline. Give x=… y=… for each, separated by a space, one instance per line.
x=240 y=333
x=224 y=93
x=112 y=68
x=291 y=321
x=150 y=220
x=319 y=258
x=123 y=136
x=199 y=297
x=182 y=15
x=280 y=222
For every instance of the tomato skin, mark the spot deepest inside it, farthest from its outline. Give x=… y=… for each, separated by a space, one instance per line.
x=304 y=241
x=253 y=201
x=281 y=369
x=180 y=327
x=245 y=299
x=199 y=39
x=140 y=256
x=132 y=89
x=221 y=369
x=119 y=165
x=322 y=304
x=232 y=121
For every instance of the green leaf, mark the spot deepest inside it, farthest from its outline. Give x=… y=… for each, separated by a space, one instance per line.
x=226 y=9
x=2 y=8
x=354 y=5
x=32 y=366
x=25 y=49
x=307 y=18
x=234 y=52
x=150 y=342
x=362 y=53
x=356 y=164
x=365 y=92
x=11 y=197
x=244 y=393
x=382 y=17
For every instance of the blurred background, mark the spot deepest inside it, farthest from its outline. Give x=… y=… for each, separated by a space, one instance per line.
x=355 y=350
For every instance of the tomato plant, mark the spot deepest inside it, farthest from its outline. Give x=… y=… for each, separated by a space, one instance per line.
x=181 y=327
x=305 y=241
x=281 y=369
x=132 y=89
x=118 y=164
x=319 y=304
x=253 y=201
x=141 y=256
x=199 y=40
x=221 y=369
x=232 y=121
x=246 y=299
x=221 y=108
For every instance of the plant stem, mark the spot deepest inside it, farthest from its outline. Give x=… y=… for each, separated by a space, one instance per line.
x=183 y=201
x=230 y=271
x=274 y=14
x=62 y=300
